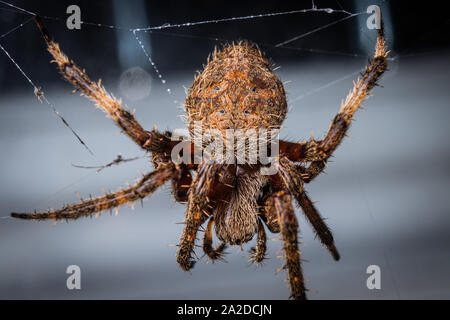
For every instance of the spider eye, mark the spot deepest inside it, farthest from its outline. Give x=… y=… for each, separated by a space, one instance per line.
x=246 y=112
x=216 y=88
x=221 y=112
x=255 y=89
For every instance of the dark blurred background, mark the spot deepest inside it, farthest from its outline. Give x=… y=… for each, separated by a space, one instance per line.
x=414 y=27
x=385 y=194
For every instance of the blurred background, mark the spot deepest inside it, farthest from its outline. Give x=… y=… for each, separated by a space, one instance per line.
x=385 y=194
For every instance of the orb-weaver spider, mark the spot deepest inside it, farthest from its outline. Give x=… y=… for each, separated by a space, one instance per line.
x=236 y=90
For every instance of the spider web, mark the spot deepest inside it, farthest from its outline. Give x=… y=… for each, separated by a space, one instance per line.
x=342 y=14
x=137 y=34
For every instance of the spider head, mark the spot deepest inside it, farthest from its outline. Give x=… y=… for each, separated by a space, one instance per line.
x=236 y=90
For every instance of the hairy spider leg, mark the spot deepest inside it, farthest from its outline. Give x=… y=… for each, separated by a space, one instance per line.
x=197 y=212
x=210 y=251
x=320 y=227
x=258 y=253
x=293 y=182
x=319 y=151
x=282 y=203
x=94 y=91
x=143 y=188
x=150 y=141
x=158 y=143
x=181 y=184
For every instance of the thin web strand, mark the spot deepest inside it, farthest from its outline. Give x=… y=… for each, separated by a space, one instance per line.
x=256 y=16
x=189 y=24
x=314 y=8
x=317 y=29
x=327 y=85
x=16 y=27
x=12 y=10
x=155 y=68
x=262 y=44
x=40 y=95
x=18 y=8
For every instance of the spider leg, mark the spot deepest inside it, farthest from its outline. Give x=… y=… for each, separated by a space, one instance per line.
x=181 y=184
x=301 y=151
x=143 y=188
x=292 y=180
x=282 y=203
x=322 y=230
x=319 y=151
x=267 y=212
x=258 y=254
x=312 y=171
x=210 y=251
x=97 y=93
x=197 y=212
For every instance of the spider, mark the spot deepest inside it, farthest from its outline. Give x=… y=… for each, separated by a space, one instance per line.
x=237 y=89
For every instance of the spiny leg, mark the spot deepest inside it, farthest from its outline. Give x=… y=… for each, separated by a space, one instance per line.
x=181 y=184
x=292 y=180
x=301 y=151
x=322 y=230
x=210 y=251
x=268 y=213
x=312 y=171
x=150 y=141
x=258 y=253
x=319 y=151
x=149 y=183
x=194 y=219
x=289 y=232
x=197 y=212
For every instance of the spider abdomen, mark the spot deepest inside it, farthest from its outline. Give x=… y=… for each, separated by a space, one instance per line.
x=236 y=90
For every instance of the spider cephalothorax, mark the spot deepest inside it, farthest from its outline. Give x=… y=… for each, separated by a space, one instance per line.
x=236 y=91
